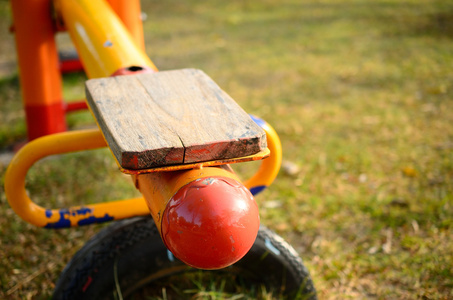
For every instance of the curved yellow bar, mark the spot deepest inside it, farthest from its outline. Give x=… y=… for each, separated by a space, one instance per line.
x=269 y=168
x=102 y=41
x=156 y=187
x=73 y=216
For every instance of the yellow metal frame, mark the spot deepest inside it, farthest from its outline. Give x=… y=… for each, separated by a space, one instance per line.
x=269 y=168
x=103 y=42
x=167 y=181
x=57 y=218
x=105 y=45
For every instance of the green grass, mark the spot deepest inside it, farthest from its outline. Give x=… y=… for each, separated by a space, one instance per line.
x=361 y=95
x=202 y=285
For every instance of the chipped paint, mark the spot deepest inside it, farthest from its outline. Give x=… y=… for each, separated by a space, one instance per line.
x=67 y=214
x=83 y=211
x=208 y=181
x=93 y=219
x=257 y=189
x=231 y=239
x=62 y=222
x=108 y=44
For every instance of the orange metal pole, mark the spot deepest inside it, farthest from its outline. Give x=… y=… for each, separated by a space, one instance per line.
x=129 y=12
x=38 y=63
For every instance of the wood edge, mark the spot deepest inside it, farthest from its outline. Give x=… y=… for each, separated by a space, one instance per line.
x=258 y=156
x=151 y=158
x=112 y=145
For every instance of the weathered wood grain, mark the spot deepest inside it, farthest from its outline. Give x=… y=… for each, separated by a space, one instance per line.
x=171 y=117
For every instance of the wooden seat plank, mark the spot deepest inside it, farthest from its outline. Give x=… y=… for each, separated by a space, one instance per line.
x=170 y=118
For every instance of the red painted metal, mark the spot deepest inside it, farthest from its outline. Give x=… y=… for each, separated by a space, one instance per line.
x=40 y=67
x=70 y=65
x=75 y=106
x=210 y=223
x=39 y=70
x=45 y=119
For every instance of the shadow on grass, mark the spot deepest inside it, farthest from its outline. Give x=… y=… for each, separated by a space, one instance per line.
x=439 y=25
x=12 y=127
x=9 y=82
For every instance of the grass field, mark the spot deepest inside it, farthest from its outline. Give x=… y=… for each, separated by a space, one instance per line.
x=361 y=94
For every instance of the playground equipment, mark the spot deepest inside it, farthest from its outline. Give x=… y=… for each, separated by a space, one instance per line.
x=175 y=132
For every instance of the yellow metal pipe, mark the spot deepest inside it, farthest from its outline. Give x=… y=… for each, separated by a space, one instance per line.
x=270 y=166
x=103 y=42
x=105 y=46
x=157 y=188
x=73 y=216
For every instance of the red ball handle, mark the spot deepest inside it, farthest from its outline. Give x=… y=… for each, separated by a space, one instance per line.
x=210 y=223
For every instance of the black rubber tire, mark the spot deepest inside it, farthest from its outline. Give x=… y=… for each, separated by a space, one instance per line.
x=130 y=254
